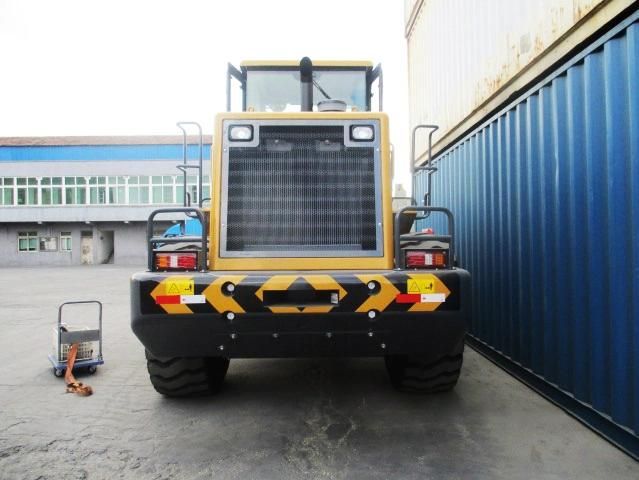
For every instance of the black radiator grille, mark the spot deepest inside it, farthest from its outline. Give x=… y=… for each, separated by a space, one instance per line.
x=301 y=189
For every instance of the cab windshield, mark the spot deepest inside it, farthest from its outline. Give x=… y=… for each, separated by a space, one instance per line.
x=280 y=90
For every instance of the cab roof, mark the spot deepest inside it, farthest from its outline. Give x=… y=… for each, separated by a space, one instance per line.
x=316 y=63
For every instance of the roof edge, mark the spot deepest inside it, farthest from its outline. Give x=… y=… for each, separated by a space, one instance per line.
x=316 y=63
x=99 y=140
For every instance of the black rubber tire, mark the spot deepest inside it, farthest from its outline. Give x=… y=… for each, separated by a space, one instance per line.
x=417 y=374
x=186 y=376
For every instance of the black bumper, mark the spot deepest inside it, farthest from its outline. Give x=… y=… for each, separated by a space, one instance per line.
x=291 y=314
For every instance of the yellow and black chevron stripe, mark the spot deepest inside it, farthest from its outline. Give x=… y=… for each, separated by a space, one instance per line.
x=350 y=292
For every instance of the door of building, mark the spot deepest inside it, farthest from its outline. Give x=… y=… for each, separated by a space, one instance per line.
x=86 y=248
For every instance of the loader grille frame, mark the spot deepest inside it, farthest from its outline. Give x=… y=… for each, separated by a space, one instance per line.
x=301 y=188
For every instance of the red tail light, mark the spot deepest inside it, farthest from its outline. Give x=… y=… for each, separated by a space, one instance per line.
x=176 y=261
x=425 y=259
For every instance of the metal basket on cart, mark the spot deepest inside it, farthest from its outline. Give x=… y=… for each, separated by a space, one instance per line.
x=61 y=349
x=89 y=342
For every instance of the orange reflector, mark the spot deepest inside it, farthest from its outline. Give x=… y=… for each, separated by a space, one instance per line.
x=176 y=261
x=425 y=259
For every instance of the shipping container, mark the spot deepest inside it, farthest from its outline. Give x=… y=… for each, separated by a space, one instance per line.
x=467 y=57
x=545 y=193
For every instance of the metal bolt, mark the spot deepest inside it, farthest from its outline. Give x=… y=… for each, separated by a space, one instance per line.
x=276 y=335
x=221 y=347
x=383 y=345
x=329 y=334
x=230 y=316
x=372 y=314
x=370 y=334
x=230 y=288
x=233 y=336
x=371 y=285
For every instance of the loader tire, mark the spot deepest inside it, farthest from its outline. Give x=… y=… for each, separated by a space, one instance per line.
x=186 y=376
x=418 y=374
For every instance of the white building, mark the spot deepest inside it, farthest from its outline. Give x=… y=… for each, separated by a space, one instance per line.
x=74 y=200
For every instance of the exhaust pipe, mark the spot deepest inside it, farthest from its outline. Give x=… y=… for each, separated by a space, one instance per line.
x=306 y=77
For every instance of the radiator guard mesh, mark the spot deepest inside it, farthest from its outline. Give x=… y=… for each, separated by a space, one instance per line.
x=301 y=190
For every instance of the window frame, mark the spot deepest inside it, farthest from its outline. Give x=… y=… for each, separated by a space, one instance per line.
x=64 y=238
x=44 y=239
x=28 y=236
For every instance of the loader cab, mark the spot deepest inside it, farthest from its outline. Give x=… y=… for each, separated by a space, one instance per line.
x=274 y=86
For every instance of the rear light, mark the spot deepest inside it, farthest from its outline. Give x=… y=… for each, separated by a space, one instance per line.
x=426 y=259
x=176 y=261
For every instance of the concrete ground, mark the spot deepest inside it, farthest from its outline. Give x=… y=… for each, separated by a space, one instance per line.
x=276 y=419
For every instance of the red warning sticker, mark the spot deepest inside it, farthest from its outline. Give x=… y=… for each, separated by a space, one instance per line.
x=179 y=299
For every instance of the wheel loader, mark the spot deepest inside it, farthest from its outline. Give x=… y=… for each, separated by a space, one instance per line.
x=300 y=253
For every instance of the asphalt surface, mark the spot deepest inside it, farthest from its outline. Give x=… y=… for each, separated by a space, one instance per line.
x=275 y=419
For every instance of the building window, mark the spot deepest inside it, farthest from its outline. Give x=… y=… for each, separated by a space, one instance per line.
x=48 y=244
x=163 y=189
x=206 y=188
x=75 y=190
x=27 y=191
x=100 y=190
x=139 y=190
x=51 y=190
x=117 y=188
x=97 y=190
x=65 y=241
x=191 y=188
x=27 y=241
x=6 y=190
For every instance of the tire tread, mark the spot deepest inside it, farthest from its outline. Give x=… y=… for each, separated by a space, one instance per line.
x=186 y=376
x=415 y=374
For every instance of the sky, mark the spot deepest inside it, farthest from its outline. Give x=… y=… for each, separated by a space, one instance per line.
x=137 y=67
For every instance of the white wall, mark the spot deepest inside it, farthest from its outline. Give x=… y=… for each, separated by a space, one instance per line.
x=463 y=54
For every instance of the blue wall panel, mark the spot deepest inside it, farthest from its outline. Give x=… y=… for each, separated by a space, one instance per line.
x=546 y=200
x=83 y=153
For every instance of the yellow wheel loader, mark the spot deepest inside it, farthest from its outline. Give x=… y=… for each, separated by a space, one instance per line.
x=300 y=253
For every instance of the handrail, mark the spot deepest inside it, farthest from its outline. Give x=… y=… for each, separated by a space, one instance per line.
x=429 y=168
x=184 y=165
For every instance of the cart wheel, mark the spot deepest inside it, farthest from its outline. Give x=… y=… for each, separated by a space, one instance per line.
x=58 y=372
x=92 y=369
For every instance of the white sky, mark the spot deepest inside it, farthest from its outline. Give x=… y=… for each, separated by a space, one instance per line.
x=136 y=67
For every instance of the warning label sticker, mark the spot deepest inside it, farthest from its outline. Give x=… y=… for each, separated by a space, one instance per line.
x=179 y=299
x=423 y=285
x=432 y=298
x=188 y=299
x=180 y=287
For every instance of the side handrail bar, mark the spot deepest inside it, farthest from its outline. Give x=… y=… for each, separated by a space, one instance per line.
x=184 y=165
x=428 y=167
x=151 y=240
x=414 y=208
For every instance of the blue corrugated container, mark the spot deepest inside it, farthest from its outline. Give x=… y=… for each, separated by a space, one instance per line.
x=546 y=199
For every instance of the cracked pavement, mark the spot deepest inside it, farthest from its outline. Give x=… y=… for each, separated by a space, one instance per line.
x=275 y=419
